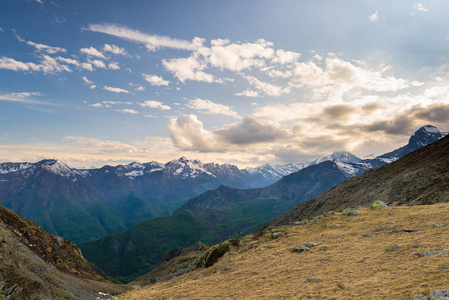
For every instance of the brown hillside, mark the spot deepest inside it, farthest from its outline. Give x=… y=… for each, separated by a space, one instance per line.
x=421 y=177
x=347 y=264
x=44 y=266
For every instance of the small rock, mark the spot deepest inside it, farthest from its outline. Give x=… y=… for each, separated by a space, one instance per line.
x=434 y=252
x=439 y=295
x=368 y=235
x=350 y=212
x=300 y=249
x=391 y=248
x=378 y=204
x=313 y=280
x=310 y=245
x=288 y=271
x=412 y=229
x=3 y=240
x=335 y=224
x=302 y=222
x=419 y=297
x=438 y=225
x=414 y=246
x=324 y=248
x=275 y=235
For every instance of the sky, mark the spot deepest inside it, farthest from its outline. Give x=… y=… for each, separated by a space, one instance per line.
x=242 y=82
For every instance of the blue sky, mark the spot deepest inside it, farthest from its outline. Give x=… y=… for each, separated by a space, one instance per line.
x=111 y=82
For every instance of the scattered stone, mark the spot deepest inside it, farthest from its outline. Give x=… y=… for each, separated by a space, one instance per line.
x=391 y=248
x=393 y=231
x=288 y=271
x=324 y=247
x=300 y=249
x=439 y=295
x=412 y=229
x=378 y=204
x=302 y=222
x=336 y=224
x=350 y=212
x=313 y=280
x=414 y=246
x=419 y=297
x=438 y=225
x=3 y=240
x=434 y=252
x=390 y=227
x=275 y=235
x=310 y=245
x=368 y=235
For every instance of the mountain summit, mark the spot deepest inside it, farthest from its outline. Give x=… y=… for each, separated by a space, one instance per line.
x=342 y=156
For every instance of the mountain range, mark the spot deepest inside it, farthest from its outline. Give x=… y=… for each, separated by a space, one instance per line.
x=82 y=204
x=227 y=212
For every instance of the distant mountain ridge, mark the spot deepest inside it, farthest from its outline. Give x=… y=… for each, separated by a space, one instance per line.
x=417 y=178
x=81 y=204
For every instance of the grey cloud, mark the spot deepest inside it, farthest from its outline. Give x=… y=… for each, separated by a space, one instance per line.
x=251 y=131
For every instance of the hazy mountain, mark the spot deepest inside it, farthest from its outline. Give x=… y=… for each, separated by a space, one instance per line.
x=81 y=204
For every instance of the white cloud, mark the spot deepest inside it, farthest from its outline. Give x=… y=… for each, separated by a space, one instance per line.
x=115 y=90
x=41 y=47
x=47 y=65
x=113 y=66
x=117 y=102
x=68 y=61
x=14 y=65
x=188 y=69
x=137 y=87
x=127 y=111
x=420 y=7
x=114 y=49
x=93 y=86
x=285 y=57
x=96 y=105
x=155 y=80
x=152 y=42
x=87 y=66
x=248 y=93
x=237 y=57
x=40 y=2
x=154 y=104
x=333 y=77
x=374 y=17
x=1 y=29
x=209 y=107
x=92 y=52
x=98 y=63
x=23 y=97
x=268 y=88
x=87 y=81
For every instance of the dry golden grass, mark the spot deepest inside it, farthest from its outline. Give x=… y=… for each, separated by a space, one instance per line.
x=353 y=267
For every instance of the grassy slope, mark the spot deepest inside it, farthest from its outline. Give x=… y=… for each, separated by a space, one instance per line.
x=354 y=267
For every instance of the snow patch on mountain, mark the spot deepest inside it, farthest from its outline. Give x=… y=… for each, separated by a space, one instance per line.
x=348 y=169
x=57 y=167
x=6 y=168
x=341 y=156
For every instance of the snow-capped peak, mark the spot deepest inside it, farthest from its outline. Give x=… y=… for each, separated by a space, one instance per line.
x=57 y=167
x=341 y=156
